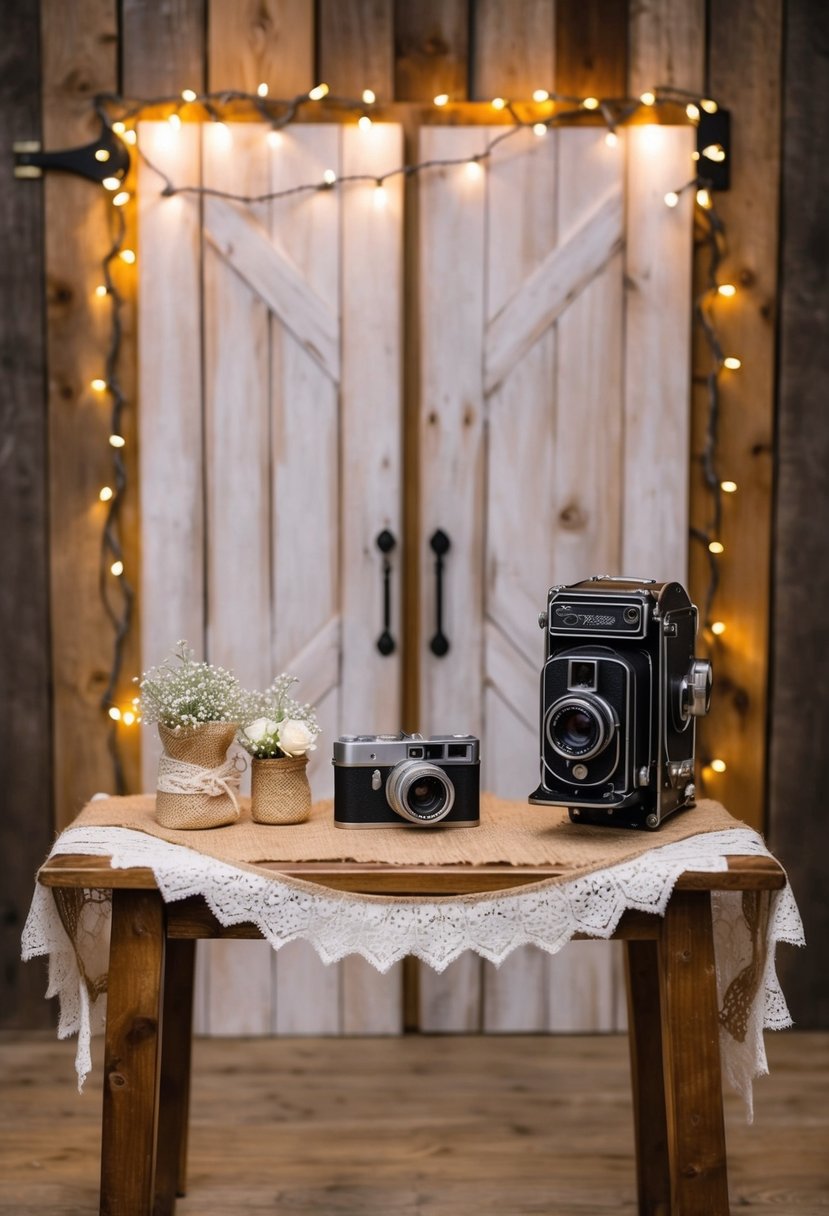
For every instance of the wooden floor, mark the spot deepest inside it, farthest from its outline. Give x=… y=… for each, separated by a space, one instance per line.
x=420 y=1126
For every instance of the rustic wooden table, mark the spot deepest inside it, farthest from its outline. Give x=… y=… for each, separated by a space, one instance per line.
x=672 y=1000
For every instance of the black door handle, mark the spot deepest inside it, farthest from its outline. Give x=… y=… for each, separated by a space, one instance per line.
x=385 y=543
x=440 y=545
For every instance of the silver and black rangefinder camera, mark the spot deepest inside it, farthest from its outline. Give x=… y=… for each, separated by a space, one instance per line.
x=621 y=691
x=389 y=781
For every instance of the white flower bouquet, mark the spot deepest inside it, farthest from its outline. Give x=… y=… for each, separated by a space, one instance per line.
x=274 y=725
x=183 y=692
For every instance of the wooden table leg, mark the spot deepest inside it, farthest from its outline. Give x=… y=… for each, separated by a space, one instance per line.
x=690 y=1035
x=132 y=1053
x=176 y=1047
x=653 y=1171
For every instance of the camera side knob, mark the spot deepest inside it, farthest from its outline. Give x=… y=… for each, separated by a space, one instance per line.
x=696 y=689
x=542 y=620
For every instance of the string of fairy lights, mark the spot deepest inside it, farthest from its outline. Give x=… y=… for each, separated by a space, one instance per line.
x=547 y=110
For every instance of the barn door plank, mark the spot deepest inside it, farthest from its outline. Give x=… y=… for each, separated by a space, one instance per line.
x=657 y=354
x=305 y=530
x=371 y=499
x=431 y=49
x=555 y=416
x=237 y=452
x=261 y=41
x=452 y=206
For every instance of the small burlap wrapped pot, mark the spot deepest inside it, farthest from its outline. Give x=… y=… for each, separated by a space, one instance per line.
x=197 y=785
x=279 y=791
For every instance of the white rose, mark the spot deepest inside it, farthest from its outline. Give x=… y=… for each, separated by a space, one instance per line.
x=260 y=729
x=295 y=737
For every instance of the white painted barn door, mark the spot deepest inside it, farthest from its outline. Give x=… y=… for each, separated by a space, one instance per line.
x=555 y=352
x=270 y=345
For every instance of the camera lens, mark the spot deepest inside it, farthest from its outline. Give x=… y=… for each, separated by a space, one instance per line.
x=579 y=726
x=419 y=792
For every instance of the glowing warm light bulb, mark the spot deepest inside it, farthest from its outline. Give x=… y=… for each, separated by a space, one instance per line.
x=98 y=384
x=647 y=98
x=128 y=256
x=364 y=122
x=188 y=95
x=130 y=137
x=715 y=152
x=732 y=363
x=709 y=106
x=728 y=487
x=695 y=155
x=114 y=713
x=111 y=183
x=174 y=121
x=692 y=111
x=128 y=717
x=727 y=290
x=718 y=627
x=611 y=139
x=102 y=154
x=101 y=290
x=539 y=129
x=329 y=177
x=318 y=92
x=117 y=568
x=591 y=103
x=541 y=95
x=106 y=493
x=121 y=198
x=473 y=169
x=671 y=198
x=704 y=198
x=119 y=127
x=440 y=99
x=117 y=441
x=379 y=196
x=273 y=139
x=369 y=96
x=716 y=546
x=498 y=103
x=719 y=766
x=262 y=89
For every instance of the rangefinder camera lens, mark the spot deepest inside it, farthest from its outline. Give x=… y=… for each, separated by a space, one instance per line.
x=419 y=792
x=579 y=726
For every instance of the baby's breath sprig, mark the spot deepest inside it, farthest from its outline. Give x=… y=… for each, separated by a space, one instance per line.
x=274 y=725
x=184 y=692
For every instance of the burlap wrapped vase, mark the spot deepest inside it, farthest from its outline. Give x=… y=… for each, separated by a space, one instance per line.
x=197 y=784
x=279 y=790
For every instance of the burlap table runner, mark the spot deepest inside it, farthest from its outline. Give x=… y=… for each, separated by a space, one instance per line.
x=513 y=833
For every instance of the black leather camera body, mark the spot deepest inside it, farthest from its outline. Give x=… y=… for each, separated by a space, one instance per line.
x=399 y=780
x=621 y=690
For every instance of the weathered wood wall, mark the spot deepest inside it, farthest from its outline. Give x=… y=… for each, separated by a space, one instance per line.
x=406 y=52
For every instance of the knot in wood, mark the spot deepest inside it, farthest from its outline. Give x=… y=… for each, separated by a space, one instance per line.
x=572 y=517
x=141 y=1028
x=117 y=1080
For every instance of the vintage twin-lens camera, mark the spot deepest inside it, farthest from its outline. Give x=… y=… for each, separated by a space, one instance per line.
x=620 y=694
x=394 y=780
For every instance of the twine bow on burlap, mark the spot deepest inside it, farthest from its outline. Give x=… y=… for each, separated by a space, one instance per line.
x=180 y=777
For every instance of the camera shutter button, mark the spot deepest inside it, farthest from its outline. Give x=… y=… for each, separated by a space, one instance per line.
x=579 y=771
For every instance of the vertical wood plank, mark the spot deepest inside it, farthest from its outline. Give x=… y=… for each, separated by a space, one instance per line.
x=591 y=47
x=653 y=1177
x=667 y=45
x=452 y=204
x=431 y=49
x=25 y=659
x=306 y=524
x=800 y=573
x=748 y=34
x=79 y=60
x=163 y=47
x=261 y=41
x=514 y=48
x=355 y=47
x=174 y=1079
x=657 y=355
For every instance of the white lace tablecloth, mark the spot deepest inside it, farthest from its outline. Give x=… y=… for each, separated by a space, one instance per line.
x=384 y=929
